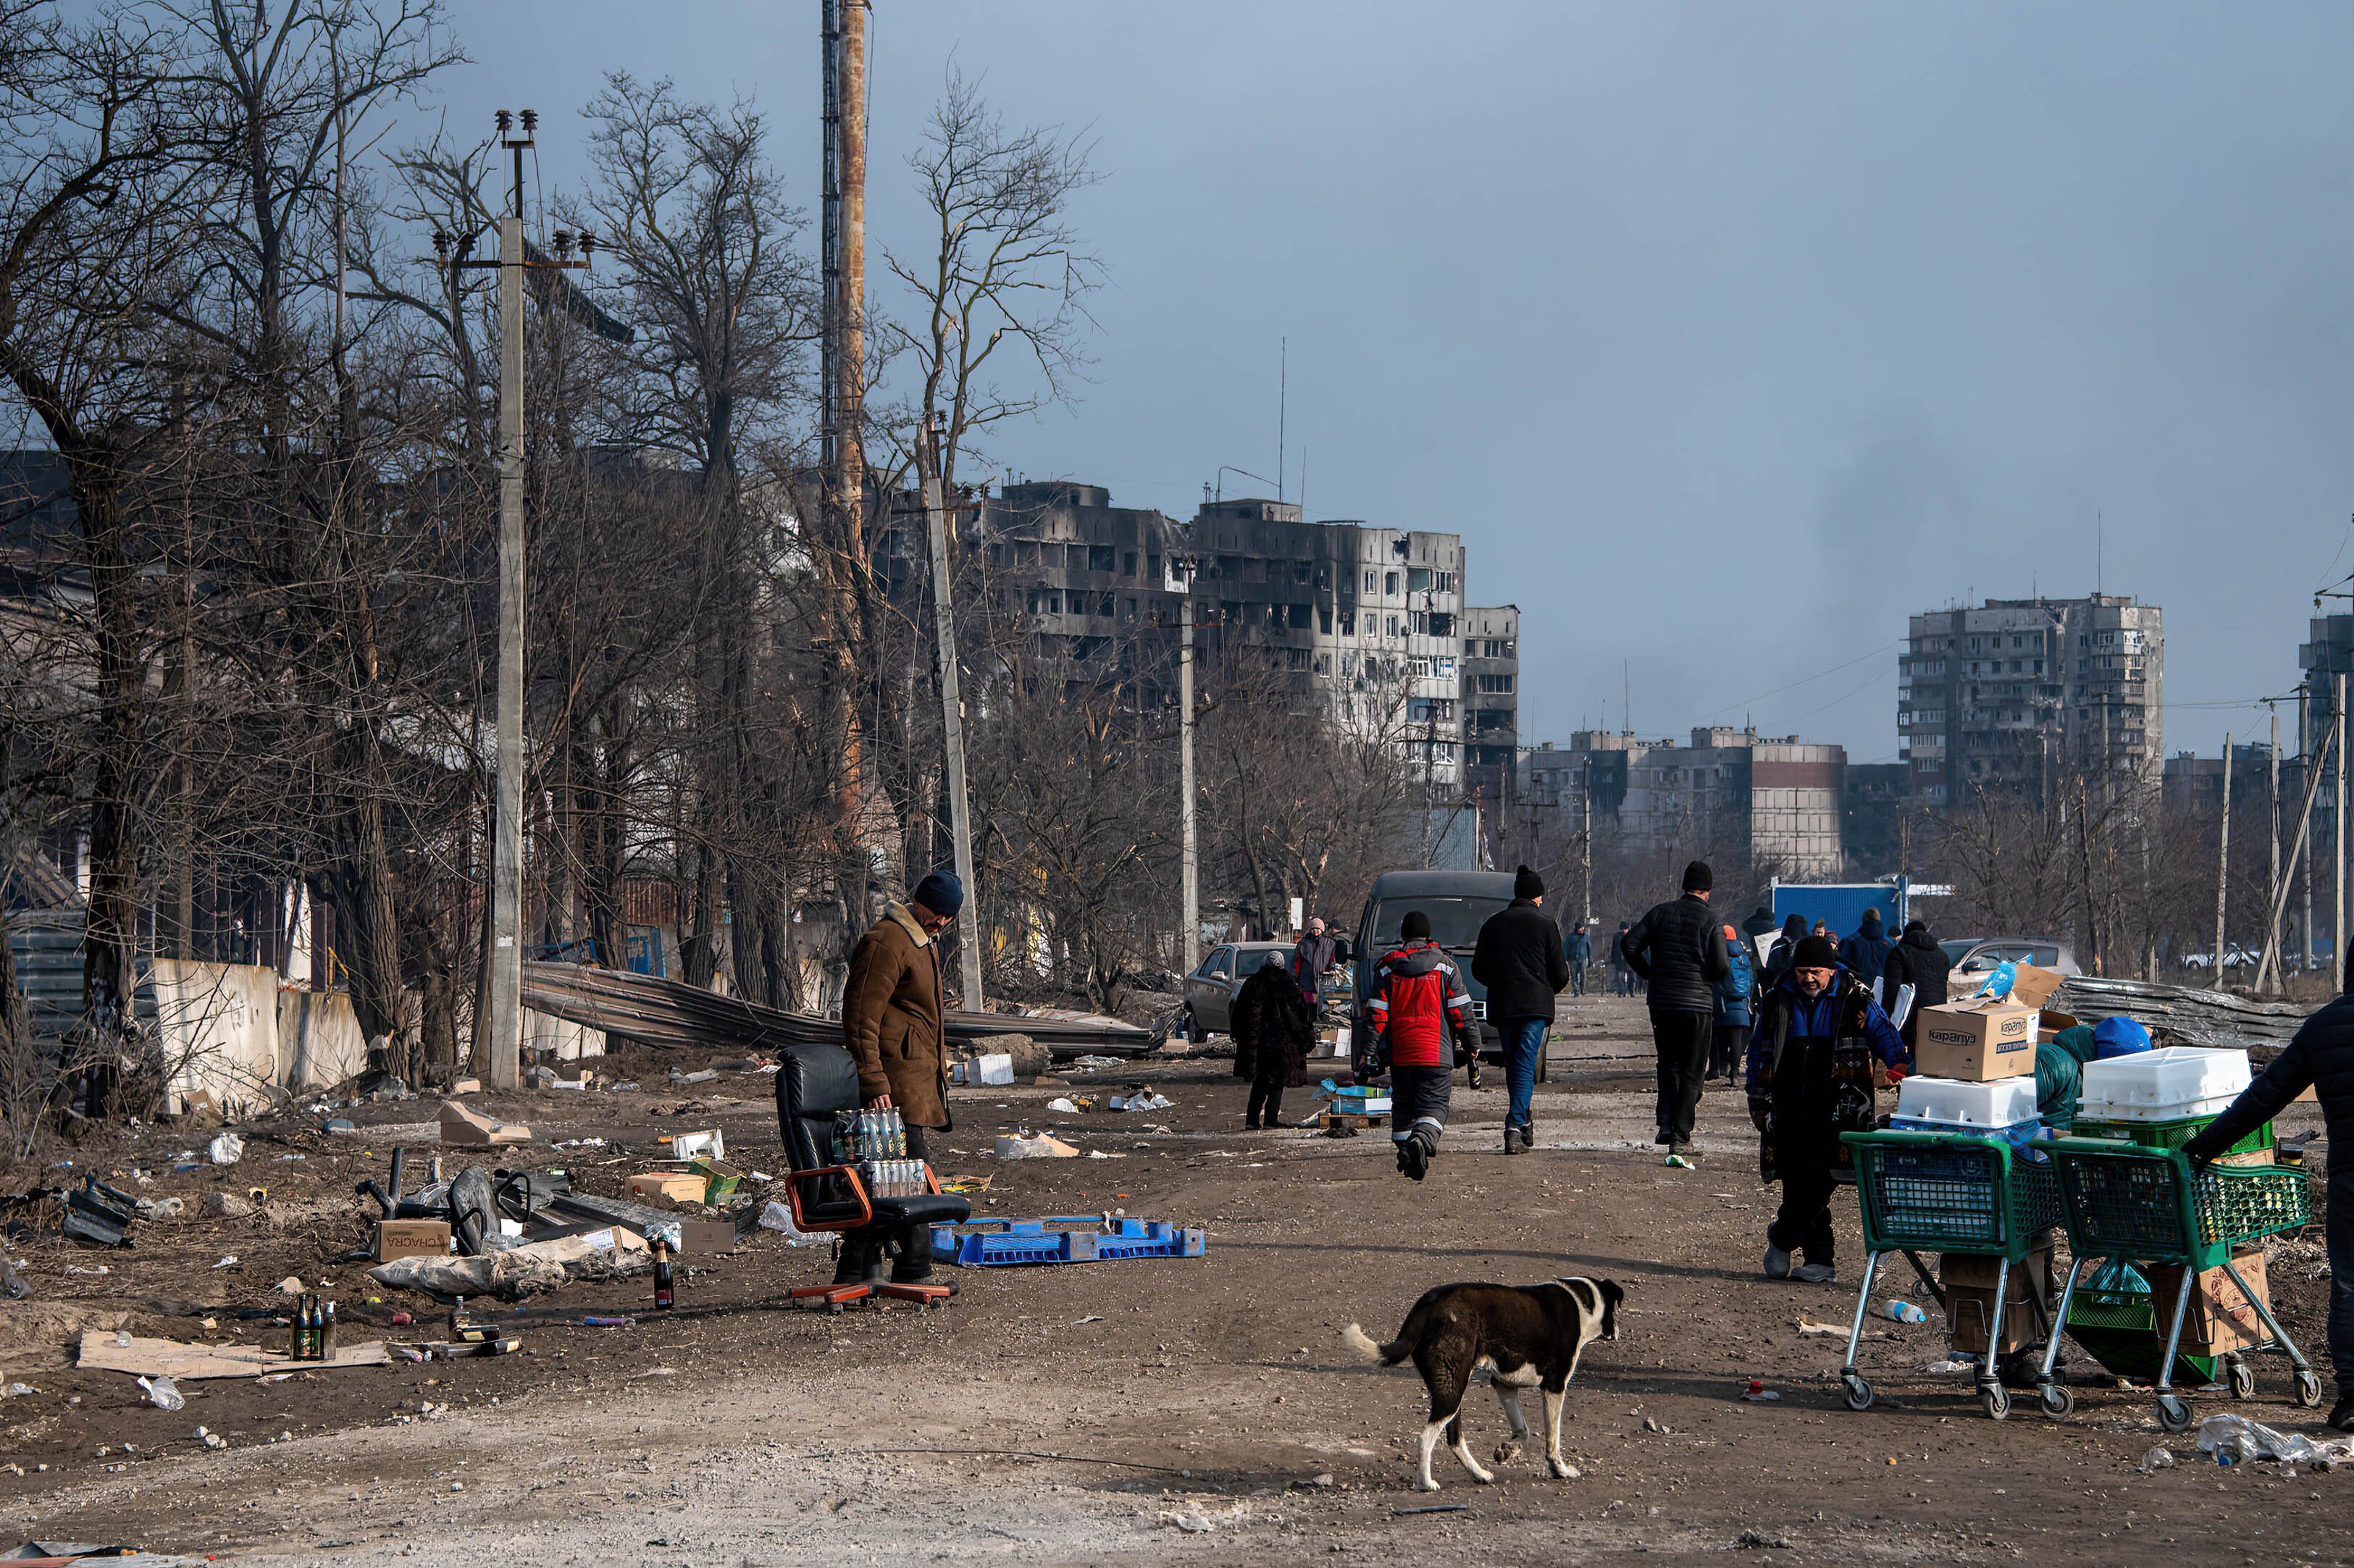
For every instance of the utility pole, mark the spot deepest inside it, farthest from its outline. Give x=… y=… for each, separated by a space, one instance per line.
x=2272 y=873
x=2223 y=863
x=843 y=239
x=1586 y=840
x=1183 y=566
x=2300 y=846
x=951 y=711
x=2338 y=894
x=498 y=1037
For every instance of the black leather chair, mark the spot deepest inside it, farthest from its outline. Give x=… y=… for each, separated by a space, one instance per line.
x=813 y=1083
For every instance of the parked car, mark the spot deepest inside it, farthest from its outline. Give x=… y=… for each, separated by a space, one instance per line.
x=1978 y=955
x=2235 y=957
x=1458 y=903
x=1210 y=989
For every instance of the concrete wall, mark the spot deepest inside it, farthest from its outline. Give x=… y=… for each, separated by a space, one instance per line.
x=217 y=1024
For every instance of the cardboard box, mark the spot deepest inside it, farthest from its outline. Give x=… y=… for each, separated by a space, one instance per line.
x=2220 y=1319
x=671 y=1186
x=1975 y=1045
x=1968 y=1284
x=705 y=1235
x=409 y=1238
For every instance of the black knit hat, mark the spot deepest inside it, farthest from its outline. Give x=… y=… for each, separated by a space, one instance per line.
x=1815 y=953
x=1415 y=926
x=1698 y=878
x=1527 y=884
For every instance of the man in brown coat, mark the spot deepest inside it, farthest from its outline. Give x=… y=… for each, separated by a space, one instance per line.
x=891 y=1025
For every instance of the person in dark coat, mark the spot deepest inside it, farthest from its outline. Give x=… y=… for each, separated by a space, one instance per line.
x=1729 y=1046
x=1312 y=958
x=1918 y=961
x=1580 y=955
x=1760 y=922
x=1521 y=961
x=1273 y=1029
x=1622 y=976
x=2320 y=1057
x=1865 y=954
x=1785 y=948
x=1817 y=1050
x=1679 y=950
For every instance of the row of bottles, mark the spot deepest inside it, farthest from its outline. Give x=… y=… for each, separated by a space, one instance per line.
x=311 y=1337
x=895 y=1178
x=869 y=1135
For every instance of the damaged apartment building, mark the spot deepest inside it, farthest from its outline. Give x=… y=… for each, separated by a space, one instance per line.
x=1774 y=801
x=1370 y=622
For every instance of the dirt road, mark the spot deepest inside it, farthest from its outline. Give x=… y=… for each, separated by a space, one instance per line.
x=1204 y=1408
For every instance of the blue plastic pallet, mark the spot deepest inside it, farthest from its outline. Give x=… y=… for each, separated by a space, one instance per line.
x=1062 y=1238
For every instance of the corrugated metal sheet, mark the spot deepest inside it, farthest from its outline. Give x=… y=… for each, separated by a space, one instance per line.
x=2195 y=1017
x=48 y=950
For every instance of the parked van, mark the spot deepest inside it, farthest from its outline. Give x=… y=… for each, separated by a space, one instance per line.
x=1458 y=903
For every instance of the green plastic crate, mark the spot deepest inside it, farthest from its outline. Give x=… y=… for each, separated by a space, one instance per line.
x=1945 y=1193
x=2168 y=1134
x=2132 y=1201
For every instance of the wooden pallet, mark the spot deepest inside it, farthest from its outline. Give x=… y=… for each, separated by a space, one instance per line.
x=1360 y=1120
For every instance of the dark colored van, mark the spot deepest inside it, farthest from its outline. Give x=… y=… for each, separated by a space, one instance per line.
x=1458 y=903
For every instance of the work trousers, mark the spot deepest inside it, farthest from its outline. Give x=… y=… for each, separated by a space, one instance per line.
x=1803 y=1223
x=1578 y=979
x=1728 y=1048
x=1419 y=1094
x=1523 y=1047
x=1265 y=1103
x=1682 y=1040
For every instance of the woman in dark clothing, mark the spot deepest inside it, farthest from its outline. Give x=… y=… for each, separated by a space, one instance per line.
x=1273 y=1029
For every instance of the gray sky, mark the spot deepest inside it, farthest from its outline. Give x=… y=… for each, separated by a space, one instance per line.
x=1726 y=335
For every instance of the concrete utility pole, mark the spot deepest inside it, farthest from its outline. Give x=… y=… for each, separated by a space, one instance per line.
x=2223 y=863
x=2337 y=894
x=500 y=1066
x=1183 y=566
x=951 y=711
x=2301 y=846
x=844 y=243
x=2272 y=873
x=1586 y=842
x=498 y=1034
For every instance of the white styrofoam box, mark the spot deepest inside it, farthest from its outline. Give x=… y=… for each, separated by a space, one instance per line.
x=994 y=1067
x=2001 y=1102
x=2161 y=1085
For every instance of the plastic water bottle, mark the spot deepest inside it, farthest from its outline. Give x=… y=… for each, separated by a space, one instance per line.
x=1905 y=1312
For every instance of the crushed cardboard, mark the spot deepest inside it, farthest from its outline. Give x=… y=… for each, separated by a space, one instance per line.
x=180 y=1362
x=461 y=1125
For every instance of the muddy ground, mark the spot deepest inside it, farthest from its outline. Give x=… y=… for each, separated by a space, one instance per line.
x=1197 y=1410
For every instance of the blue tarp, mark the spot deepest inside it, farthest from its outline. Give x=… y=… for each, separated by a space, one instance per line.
x=1840 y=904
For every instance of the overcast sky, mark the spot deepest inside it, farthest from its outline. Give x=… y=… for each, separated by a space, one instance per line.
x=1724 y=334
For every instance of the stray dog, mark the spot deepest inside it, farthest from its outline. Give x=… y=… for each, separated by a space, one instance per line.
x=1527 y=1336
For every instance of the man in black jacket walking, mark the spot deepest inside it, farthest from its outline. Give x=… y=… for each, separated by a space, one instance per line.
x=1918 y=961
x=1521 y=961
x=1679 y=950
x=2321 y=1057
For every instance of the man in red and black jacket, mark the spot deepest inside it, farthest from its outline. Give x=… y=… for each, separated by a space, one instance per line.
x=1417 y=996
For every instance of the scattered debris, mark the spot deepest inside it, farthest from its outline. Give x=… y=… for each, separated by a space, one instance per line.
x=1756 y=1539
x=225 y=1206
x=1807 y=1325
x=211 y=1439
x=1033 y=1146
x=225 y=1149
x=2158 y=1459
x=228 y=1261
x=1192 y=1521
x=162 y=1392
x=2232 y=1438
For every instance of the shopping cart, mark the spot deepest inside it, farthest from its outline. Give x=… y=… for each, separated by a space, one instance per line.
x=2139 y=1205
x=1923 y=1192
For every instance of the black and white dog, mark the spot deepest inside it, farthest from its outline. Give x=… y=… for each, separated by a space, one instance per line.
x=1527 y=1336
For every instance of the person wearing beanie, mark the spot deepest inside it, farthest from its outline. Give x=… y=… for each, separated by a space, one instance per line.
x=892 y=1027
x=1785 y=948
x=1521 y=960
x=1679 y=950
x=2319 y=1057
x=1918 y=961
x=1580 y=954
x=2059 y=1074
x=1820 y=1048
x=1729 y=1041
x=1418 y=1004
x=1865 y=954
x=1622 y=978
